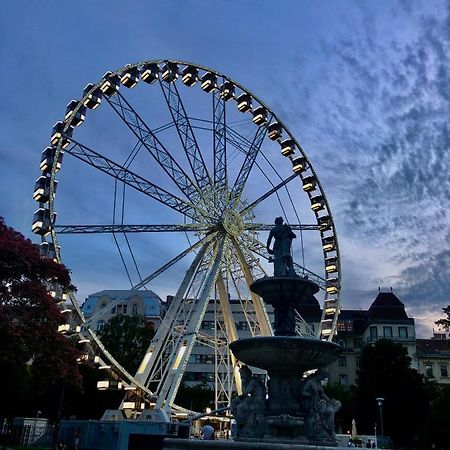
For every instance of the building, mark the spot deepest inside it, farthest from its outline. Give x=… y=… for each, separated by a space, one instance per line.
x=386 y=318
x=433 y=358
x=106 y=304
x=201 y=367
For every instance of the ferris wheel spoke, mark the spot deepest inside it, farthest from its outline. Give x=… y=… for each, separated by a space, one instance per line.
x=173 y=261
x=185 y=133
x=294 y=226
x=219 y=142
x=121 y=173
x=267 y=194
x=247 y=166
x=154 y=146
x=126 y=228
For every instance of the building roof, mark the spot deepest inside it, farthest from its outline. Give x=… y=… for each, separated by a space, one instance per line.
x=387 y=306
x=433 y=348
x=150 y=300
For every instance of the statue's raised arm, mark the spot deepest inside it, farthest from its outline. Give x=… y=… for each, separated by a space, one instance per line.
x=281 y=251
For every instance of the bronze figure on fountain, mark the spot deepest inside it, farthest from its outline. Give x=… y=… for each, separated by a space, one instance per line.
x=283 y=264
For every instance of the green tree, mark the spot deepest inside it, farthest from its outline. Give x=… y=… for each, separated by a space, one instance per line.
x=347 y=412
x=385 y=372
x=445 y=323
x=34 y=357
x=435 y=430
x=195 y=398
x=127 y=339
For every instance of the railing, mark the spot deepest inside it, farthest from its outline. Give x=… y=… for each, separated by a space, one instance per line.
x=370 y=339
x=26 y=435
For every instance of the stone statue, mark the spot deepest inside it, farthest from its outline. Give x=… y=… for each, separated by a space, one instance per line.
x=283 y=265
x=249 y=407
x=319 y=408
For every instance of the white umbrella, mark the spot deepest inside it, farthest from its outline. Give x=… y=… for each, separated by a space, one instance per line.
x=354 y=432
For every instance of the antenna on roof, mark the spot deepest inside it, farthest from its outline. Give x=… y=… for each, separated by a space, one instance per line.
x=391 y=288
x=379 y=289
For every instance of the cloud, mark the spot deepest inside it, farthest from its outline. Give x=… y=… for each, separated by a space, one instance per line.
x=381 y=124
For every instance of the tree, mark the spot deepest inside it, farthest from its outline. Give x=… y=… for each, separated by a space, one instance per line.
x=33 y=354
x=385 y=372
x=127 y=339
x=347 y=412
x=195 y=398
x=445 y=323
x=435 y=430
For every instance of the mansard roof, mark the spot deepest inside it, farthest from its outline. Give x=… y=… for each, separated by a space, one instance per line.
x=387 y=306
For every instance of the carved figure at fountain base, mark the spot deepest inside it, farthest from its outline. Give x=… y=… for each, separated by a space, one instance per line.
x=295 y=411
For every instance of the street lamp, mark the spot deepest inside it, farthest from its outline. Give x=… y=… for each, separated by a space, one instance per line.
x=380 y=401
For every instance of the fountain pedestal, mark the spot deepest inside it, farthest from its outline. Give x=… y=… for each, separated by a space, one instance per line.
x=296 y=410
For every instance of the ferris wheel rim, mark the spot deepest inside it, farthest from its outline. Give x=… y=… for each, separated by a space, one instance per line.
x=67 y=126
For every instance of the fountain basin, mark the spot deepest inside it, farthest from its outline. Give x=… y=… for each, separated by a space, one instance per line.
x=285 y=354
x=285 y=291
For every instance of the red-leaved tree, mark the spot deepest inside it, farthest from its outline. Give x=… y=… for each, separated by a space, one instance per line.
x=34 y=356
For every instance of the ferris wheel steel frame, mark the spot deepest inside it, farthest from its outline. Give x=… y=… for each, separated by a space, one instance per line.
x=161 y=370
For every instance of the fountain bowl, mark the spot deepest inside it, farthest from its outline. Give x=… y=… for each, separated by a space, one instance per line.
x=285 y=354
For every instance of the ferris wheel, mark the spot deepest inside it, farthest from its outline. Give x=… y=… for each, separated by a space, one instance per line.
x=182 y=171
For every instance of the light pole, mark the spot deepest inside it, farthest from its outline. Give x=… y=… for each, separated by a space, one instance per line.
x=380 y=401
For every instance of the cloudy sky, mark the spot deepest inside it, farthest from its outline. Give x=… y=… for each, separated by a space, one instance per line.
x=364 y=86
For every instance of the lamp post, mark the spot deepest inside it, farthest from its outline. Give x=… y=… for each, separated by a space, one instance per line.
x=380 y=401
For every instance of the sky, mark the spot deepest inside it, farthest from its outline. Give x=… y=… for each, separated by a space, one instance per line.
x=364 y=86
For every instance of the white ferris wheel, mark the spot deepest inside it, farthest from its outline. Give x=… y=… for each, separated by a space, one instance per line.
x=181 y=170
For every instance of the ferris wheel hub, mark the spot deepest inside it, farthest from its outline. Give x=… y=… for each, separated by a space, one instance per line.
x=233 y=223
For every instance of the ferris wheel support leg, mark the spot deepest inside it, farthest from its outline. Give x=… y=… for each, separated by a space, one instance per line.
x=149 y=364
x=261 y=313
x=177 y=365
x=230 y=327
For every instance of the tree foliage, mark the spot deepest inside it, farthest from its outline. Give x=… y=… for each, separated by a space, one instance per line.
x=127 y=339
x=435 y=429
x=347 y=412
x=33 y=355
x=195 y=398
x=385 y=372
x=445 y=323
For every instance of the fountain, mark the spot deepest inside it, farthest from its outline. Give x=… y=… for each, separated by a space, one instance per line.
x=293 y=410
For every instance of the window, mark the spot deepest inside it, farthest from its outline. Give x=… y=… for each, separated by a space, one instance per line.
x=444 y=370
x=208 y=324
x=373 y=333
x=201 y=359
x=357 y=343
x=358 y=361
x=403 y=332
x=134 y=309
x=343 y=379
x=387 y=332
x=103 y=305
x=345 y=325
x=342 y=361
x=100 y=325
x=243 y=326
x=429 y=370
x=121 y=309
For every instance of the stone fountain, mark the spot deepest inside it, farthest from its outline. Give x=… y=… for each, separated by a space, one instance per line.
x=294 y=409
x=293 y=412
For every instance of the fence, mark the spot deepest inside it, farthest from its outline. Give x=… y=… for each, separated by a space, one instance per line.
x=28 y=435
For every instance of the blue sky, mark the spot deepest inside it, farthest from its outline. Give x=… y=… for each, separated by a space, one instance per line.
x=364 y=87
